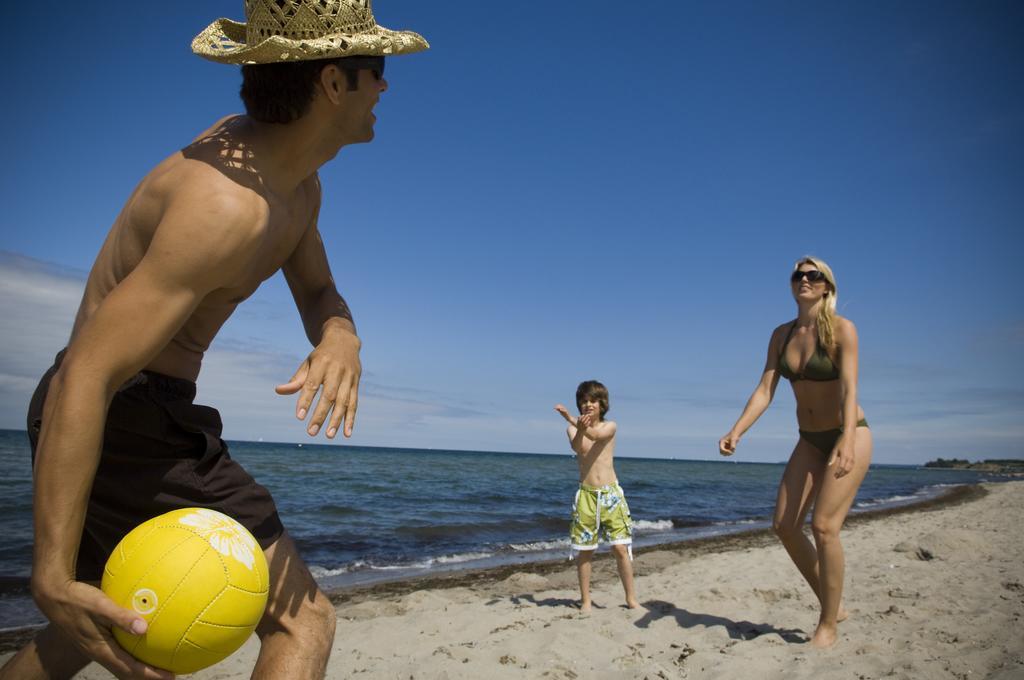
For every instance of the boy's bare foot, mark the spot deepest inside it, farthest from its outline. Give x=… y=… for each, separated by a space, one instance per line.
x=824 y=636
x=632 y=604
x=585 y=607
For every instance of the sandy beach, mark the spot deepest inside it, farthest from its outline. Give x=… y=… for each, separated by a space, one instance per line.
x=934 y=592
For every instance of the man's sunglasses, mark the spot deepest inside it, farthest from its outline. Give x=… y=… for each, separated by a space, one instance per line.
x=813 y=276
x=374 y=64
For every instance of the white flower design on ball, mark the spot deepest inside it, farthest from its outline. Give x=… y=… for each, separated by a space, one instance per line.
x=227 y=536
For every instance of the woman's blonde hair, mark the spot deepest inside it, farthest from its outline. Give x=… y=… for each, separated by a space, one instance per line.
x=826 y=321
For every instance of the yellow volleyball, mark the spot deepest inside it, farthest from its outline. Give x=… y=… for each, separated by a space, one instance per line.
x=200 y=581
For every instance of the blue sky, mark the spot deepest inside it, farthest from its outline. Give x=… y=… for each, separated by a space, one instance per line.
x=587 y=190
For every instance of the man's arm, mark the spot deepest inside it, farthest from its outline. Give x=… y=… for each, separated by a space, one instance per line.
x=189 y=256
x=334 y=364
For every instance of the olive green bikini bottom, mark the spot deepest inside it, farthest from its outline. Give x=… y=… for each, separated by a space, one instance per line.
x=825 y=440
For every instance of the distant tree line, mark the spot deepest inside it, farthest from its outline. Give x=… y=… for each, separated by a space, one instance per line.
x=948 y=462
x=964 y=463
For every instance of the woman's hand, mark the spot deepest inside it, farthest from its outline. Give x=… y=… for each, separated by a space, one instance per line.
x=727 y=444
x=843 y=456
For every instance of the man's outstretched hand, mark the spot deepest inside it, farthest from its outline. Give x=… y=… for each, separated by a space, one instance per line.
x=333 y=370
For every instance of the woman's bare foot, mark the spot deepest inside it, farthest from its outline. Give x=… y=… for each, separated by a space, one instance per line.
x=632 y=604
x=825 y=636
x=584 y=606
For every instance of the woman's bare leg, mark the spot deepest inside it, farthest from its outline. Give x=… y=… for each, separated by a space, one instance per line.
x=797 y=490
x=830 y=509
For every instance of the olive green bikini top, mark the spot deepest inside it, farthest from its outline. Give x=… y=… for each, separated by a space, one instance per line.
x=819 y=367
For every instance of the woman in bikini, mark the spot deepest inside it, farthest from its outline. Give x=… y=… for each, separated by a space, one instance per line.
x=817 y=353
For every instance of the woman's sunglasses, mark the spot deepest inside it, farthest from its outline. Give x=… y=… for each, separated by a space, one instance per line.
x=812 y=276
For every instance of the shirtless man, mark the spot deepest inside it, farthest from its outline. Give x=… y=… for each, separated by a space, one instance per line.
x=600 y=507
x=116 y=437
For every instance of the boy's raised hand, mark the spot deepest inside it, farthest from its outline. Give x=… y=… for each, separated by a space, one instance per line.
x=564 y=412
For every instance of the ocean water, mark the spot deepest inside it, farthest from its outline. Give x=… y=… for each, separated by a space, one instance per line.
x=360 y=515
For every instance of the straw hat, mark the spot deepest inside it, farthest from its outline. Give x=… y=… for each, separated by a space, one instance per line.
x=296 y=30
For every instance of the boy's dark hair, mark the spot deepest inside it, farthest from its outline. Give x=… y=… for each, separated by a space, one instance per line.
x=283 y=92
x=592 y=390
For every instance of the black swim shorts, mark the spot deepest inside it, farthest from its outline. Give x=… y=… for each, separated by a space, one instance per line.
x=161 y=452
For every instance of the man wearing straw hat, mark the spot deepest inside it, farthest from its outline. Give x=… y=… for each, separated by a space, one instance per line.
x=116 y=437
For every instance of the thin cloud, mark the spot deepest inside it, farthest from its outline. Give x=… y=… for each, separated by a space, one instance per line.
x=240 y=383
x=698 y=400
x=922 y=404
x=1006 y=338
x=38 y=302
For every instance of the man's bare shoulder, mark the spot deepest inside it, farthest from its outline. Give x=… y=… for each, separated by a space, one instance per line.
x=222 y=158
x=217 y=128
x=190 y=192
x=198 y=218
x=210 y=180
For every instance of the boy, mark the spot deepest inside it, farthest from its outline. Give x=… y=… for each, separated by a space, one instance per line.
x=600 y=506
